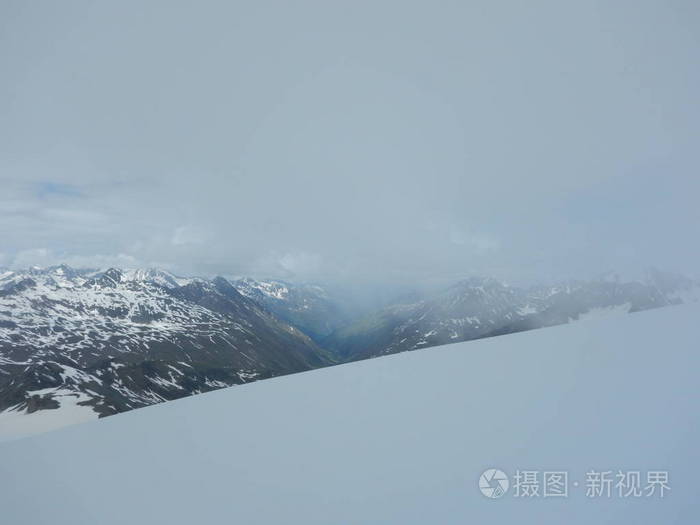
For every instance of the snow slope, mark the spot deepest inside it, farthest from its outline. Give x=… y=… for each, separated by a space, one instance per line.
x=18 y=423
x=400 y=439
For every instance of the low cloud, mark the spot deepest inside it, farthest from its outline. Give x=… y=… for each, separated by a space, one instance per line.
x=359 y=159
x=44 y=257
x=188 y=235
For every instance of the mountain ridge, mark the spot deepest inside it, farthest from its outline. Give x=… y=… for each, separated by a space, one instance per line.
x=117 y=341
x=99 y=342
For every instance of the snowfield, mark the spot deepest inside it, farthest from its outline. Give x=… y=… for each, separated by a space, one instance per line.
x=17 y=423
x=400 y=439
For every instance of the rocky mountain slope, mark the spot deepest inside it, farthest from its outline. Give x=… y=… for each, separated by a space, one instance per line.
x=117 y=340
x=483 y=307
x=78 y=344
x=305 y=306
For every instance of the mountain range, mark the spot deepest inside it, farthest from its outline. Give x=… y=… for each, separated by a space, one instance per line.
x=103 y=342
x=118 y=340
x=485 y=307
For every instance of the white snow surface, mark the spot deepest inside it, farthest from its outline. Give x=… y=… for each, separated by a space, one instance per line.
x=15 y=423
x=400 y=439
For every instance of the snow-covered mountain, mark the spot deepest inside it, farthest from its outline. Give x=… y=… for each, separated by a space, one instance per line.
x=97 y=343
x=308 y=307
x=484 y=307
x=78 y=344
x=398 y=440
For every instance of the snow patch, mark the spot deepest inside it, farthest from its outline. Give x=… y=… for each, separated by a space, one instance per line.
x=16 y=423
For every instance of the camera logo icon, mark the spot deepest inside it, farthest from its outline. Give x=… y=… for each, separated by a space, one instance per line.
x=493 y=483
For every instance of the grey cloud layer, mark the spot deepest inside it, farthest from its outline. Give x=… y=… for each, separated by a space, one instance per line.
x=378 y=140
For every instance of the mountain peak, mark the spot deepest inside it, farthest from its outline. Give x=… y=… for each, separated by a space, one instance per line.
x=114 y=274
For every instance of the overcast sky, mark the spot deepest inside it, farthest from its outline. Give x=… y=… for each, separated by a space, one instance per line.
x=351 y=140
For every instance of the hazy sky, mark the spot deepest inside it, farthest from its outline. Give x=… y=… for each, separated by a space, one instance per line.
x=351 y=140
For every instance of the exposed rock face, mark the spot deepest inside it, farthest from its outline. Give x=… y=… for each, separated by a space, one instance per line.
x=118 y=340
